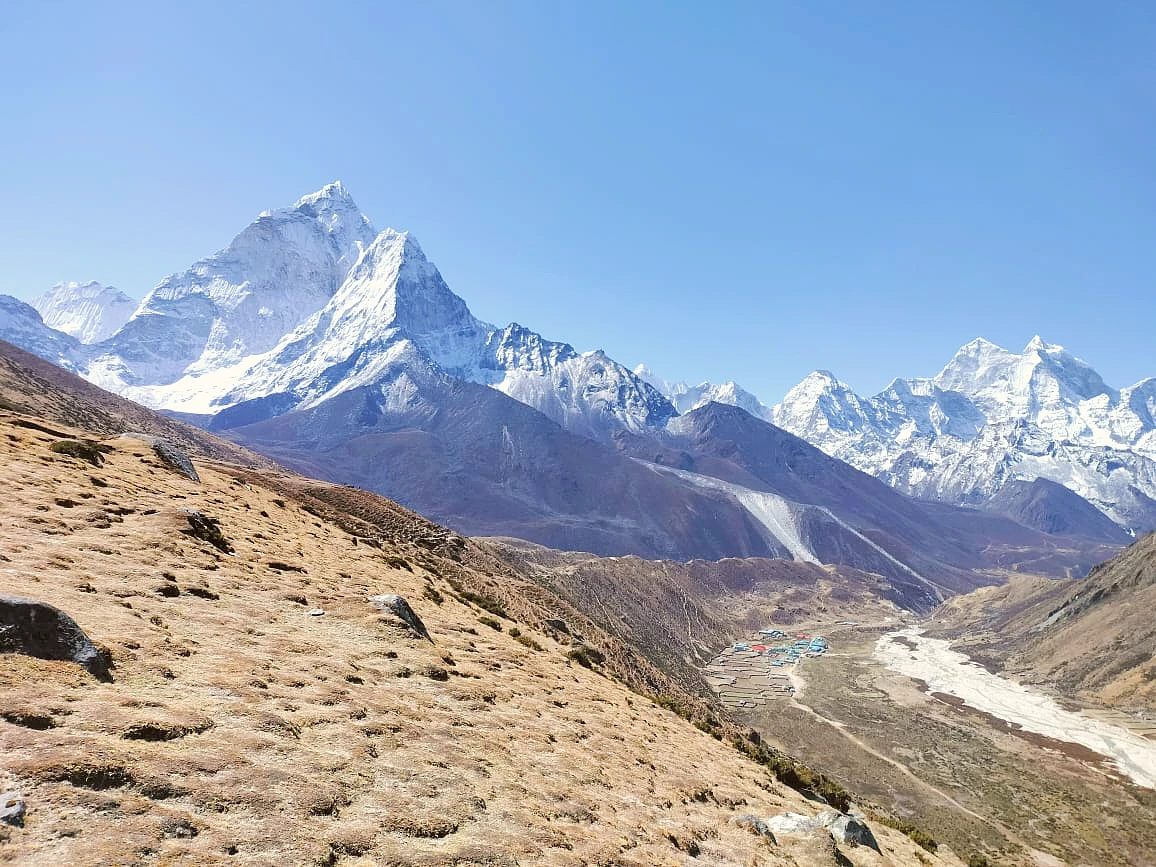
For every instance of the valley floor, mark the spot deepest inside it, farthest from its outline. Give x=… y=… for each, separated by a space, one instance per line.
x=973 y=781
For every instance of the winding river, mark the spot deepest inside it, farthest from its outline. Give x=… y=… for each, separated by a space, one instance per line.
x=944 y=670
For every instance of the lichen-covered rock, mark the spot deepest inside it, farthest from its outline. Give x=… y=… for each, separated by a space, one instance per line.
x=794 y=823
x=843 y=827
x=38 y=629
x=399 y=608
x=85 y=450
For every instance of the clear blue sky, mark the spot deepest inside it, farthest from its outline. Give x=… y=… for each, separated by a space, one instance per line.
x=730 y=190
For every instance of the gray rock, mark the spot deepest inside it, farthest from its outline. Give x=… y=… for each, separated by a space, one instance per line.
x=207 y=529
x=38 y=629
x=172 y=455
x=842 y=827
x=755 y=825
x=795 y=823
x=317 y=612
x=853 y=830
x=179 y=829
x=12 y=809
x=399 y=608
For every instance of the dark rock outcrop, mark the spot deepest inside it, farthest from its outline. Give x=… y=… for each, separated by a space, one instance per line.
x=207 y=529
x=398 y=608
x=38 y=629
x=851 y=829
x=171 y=455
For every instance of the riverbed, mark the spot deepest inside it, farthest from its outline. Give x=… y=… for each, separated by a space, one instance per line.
x=944 y=670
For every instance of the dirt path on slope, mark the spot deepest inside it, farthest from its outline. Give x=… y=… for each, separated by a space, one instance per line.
x=1042 y=859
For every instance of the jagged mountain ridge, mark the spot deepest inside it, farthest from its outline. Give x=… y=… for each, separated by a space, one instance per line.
x=989 y=418
x=22 y=325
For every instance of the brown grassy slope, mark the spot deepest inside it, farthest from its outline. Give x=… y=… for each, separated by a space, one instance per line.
x=50 y=394
x=1092 y=639
x=480 y=574
x=241 y=729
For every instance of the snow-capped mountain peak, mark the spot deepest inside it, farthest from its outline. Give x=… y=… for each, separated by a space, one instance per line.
x=330 y=193
x=240 y=301
x=89 y=311
x=990 y=417
x=394 y=286
x=310 y=301
x=821 y=404
x=1043 y=374
x=690 y=397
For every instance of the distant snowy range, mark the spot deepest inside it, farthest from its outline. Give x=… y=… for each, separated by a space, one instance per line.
x=339 y=350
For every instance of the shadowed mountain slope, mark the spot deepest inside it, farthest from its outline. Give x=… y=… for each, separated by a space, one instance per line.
x=1051 y=508
x=943 y=544
x=473 y=458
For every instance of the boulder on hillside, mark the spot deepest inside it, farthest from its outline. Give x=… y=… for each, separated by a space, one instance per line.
x=843 y=827
x=398 y=608
x=170 y=455
x=38 y=629
x=207 y=529
x=12 y=809
x=794 y=823
x=852 y=829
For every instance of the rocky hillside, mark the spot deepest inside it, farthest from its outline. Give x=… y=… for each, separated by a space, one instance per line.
x=1092 y=639
x=262 y=697
x=38 y=390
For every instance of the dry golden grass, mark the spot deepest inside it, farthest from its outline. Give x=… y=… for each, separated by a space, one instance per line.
x=240 y=729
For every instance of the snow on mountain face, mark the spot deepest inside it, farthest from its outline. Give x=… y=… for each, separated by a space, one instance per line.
x=21 y=325
x=311 y=301
x=241 y=300
x=88 y=311
x=395 y=297
x=988 y=418
x=689 y=397
x=588 y=394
